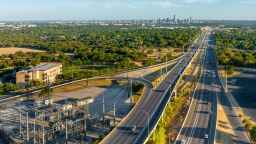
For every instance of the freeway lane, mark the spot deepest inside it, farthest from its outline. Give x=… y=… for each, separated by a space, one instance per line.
x=201 y=119
x=240 y=135
x=147 y=105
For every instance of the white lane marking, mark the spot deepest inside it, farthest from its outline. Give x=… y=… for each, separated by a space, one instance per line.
x=197 y=114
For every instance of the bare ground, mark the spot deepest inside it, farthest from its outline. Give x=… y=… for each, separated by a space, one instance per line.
x=13 y=50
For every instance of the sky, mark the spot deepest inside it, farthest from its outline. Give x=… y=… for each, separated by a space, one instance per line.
x=20 y=10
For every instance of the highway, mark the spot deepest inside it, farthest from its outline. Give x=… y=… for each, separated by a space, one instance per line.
x=200 y=124
x=149 y=108
x=240 y=135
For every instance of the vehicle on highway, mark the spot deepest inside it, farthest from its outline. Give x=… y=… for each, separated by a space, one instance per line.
x=183 y=142
x=206 y=136
x=133 y=128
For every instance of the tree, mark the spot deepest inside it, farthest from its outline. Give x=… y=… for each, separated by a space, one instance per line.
x=161 y=135
x=253 y=133
x=229 y=69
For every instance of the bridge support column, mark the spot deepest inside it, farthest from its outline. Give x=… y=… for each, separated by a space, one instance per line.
x=175 y=93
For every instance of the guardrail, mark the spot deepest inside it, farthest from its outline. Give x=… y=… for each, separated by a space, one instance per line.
x=143 y=136
x=67 y=82
x=155 y=117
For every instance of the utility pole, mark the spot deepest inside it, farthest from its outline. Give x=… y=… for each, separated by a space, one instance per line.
x=49 y=89
x=114 y=112
x=85 y=126
x=88 y=112
x=20 y=115
x=87 y=76
x=72 y=72
x=43 y=135
x=35 y=131
x=20 y=122
x=43 y=130
x=27 y=127
x=103 y=106
x=226 y=84
x=166 y=62
x=66 y=125
x=131 y=89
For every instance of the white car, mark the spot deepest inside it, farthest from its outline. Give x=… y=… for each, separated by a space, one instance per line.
x=183 y=142
x=133 y=128
x=206 y=136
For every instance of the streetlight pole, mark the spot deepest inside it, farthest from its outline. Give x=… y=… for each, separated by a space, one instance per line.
x=114 y=112
x=43 y=129
x=103 y=106
x=66 y=125
x=27 y=127
x=148 y=120
x=20 y=116
x=226 y=83
x=166 y=62
x=35 y=131
x=131 y=89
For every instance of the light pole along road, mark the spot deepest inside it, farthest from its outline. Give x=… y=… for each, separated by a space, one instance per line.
x=200 y=124
x=149 y=103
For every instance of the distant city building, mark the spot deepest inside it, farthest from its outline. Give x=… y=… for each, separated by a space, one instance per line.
x=42 y=73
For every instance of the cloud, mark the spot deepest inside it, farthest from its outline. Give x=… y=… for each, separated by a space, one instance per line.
x=201 y=1
x=161 y=4
x=164 y=4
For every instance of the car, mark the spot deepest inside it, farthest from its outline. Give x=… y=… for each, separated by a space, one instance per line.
x=206 y=136
x=133 y=128
x=183 y=141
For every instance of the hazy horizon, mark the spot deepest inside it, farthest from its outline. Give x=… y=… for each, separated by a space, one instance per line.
x=81 y=10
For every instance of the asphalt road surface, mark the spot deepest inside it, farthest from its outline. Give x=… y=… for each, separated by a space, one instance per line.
x=200 y=124
x=243 y=88
x=148 y=104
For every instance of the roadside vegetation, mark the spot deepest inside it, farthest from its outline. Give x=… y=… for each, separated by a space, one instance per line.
x=170 y=117
x=237 y=39
x=237 y=48
x=175 y=111
x=251 y=128
x=88 y=51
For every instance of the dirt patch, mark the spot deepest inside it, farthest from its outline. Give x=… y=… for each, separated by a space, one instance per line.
x=13 y=50
x=225 y=133
x=83 y=84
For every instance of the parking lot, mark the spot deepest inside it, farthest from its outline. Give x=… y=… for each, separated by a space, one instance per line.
x=243 y=87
